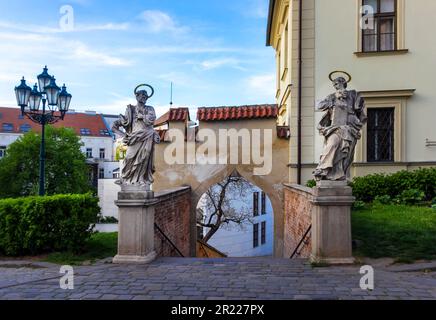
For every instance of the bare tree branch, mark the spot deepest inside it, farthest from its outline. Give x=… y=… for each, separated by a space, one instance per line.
x=219 y=205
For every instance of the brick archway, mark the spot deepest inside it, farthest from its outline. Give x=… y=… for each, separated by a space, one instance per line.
x=274 y=191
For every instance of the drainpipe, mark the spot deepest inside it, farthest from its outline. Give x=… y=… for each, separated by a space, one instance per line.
x=300 y=90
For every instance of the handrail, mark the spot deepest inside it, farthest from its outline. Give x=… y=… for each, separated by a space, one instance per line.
x=301 y=241
x=168 y=239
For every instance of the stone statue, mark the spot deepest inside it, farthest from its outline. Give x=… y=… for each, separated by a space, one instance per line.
x=341 y=127
x=140 y=138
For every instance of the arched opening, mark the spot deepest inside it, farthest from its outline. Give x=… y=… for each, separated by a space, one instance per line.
x=234 y=218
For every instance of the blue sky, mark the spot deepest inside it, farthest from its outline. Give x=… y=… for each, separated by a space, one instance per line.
x=213 y=51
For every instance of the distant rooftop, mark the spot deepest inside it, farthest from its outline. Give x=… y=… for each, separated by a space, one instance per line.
x=84 y=124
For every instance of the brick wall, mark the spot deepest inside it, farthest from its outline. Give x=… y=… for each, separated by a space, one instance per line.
x=172 y=215
x=298 y=218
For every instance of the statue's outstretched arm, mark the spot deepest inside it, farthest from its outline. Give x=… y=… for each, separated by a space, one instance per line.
x=116 y=128
x=326 y=104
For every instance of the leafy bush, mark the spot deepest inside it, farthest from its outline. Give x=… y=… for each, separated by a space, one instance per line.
x=311 y=184
x=107 y=220
x=412 y=196
x=383 y=199
x=369 y=187
x=358 y=205
x=35 y=225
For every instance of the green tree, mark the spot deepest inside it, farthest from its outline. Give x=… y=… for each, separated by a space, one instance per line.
x=66 y=170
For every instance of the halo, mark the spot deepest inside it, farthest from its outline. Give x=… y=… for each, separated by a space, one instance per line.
x=342 y=72
x=145 y=85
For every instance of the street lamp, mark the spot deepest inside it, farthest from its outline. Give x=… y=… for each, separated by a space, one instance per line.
x=29 y=100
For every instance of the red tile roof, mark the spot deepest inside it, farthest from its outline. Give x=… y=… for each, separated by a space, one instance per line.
x=264 y=111
x=174 y=114
x=76 y=121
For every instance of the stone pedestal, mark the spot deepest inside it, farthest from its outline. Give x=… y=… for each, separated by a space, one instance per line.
x=136 y=227
x=331 y=223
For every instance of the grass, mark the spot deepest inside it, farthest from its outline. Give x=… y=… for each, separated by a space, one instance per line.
x=99 y=246
x=405 y=233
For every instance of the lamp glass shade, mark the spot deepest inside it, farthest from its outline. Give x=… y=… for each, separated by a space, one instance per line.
x=44 y=79
x=35 y=99
x=64 y=100
x=22 y=93
x=52 y=91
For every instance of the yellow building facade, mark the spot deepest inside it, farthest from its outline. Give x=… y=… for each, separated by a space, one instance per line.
x=387 y=47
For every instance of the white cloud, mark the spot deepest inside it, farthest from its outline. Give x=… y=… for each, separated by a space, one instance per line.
x=85 y=55
x=182 y=49
x=77 y=27
x=258 y=8
x=51 y=48
x=262 y=86
x=8 y=103
x=159 y=21
x=103 y=27
x=8 y=78
x=117 y=106
x=221 y=62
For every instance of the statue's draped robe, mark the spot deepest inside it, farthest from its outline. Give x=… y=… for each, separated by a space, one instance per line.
x=138 y=165
x=341 y=127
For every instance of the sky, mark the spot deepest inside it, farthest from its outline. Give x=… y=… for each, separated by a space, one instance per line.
x=213 y=51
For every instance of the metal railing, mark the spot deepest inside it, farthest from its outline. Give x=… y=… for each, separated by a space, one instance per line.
x=302 y=241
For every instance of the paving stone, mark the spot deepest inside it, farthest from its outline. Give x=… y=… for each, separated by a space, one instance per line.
x=186 y=279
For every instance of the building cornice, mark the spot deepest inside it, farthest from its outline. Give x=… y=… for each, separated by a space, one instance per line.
x=272 y=4
x=402 y=93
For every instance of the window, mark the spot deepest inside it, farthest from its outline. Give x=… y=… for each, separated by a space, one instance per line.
x=8 y=127
x=380 y=33
x=102 y=154
x=380 y=135
x=255 y=235
x=384 y=99
x=88 y=153
x=25 y=127
x=101 y=173
x=263 y=233
x=2 y=151
x=263 y=203
x=255 y=204
x=85 y=132
x=104 y=132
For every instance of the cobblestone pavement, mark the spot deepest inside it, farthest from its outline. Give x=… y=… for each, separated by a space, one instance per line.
x=199 y=279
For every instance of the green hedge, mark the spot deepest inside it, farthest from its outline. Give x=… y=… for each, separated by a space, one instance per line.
x=35 y=225
x=395 y=185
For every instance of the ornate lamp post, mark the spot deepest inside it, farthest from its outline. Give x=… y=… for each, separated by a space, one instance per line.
x=58 y=101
